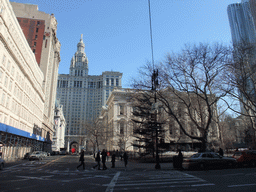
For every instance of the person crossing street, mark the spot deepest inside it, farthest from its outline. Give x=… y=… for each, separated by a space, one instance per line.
x=81 y=159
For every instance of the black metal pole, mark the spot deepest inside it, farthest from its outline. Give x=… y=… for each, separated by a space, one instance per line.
x=157 y=166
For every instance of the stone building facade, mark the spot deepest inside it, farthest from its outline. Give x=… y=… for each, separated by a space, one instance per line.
x=119 y=127
x=58 y=140
x=40 y=30
x=22 y=93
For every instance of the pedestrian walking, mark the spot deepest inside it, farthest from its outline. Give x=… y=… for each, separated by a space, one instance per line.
x=180 y=160
x=81 y=159
x=97 y=159
x=113 y=159
x=117 y=154
x=103 y=159
x=125 y=156
x=220 y=152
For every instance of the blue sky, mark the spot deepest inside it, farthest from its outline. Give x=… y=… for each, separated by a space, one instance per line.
x=116 y=32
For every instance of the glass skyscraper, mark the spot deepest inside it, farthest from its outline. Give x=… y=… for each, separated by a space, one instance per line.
x=242 y=17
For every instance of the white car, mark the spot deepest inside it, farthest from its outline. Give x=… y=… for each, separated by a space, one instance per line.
x=2 y=162
x=36 y=155
x=44 y=153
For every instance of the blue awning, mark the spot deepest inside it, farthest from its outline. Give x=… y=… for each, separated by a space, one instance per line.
x=15 y=131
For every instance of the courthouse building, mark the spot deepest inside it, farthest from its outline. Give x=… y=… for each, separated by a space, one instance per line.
x=26 y=81
x=116 y=119
x=83 y=95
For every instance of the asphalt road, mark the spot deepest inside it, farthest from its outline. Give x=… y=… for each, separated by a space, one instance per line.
x=58 y=173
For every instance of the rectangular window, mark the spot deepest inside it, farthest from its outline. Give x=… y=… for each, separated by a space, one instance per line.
x=122 y=109
x=3 y=98
x=35 y=36
x=12 y=72
x=170 y=128
x=10 y=85
x=121 y=128
x=117 y=82
x=3 y=60
x=8 y=65
x=112 y=82
x=1 y=75
x=6 y=81
x=34 y=50
x=37 y=30
x=34 y=44
x=107 y=81
x=7 y=102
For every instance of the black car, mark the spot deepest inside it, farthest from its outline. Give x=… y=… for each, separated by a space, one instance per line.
x=27 y=155
x=208 y=160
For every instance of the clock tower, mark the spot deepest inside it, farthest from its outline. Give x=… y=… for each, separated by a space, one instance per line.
x=79 y=62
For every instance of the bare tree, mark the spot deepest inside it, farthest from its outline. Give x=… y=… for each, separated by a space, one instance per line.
x=190 y=88
x=242 y=77
x=95 y=133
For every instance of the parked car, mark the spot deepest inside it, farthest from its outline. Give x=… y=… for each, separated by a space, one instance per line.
x=27 y=155
x=207 y=160
x=62 y=153
x=36 y=155
x=2 y=162
x=44 y=154
x=246 y=157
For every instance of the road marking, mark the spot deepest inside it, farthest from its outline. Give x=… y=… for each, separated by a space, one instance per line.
x=151 y=183
x=40 y=178
x=235 y=174
x=113 y=182
x=244 y=185
x=199 y=185
x=51 y=162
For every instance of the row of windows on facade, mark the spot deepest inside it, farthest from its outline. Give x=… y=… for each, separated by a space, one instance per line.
x=10 y=75
x=9 y=83
x=79 y=72
x=19 y=94
x=99 y=84
x=14 y=123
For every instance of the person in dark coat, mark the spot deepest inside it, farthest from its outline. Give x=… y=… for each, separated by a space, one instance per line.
x=220 y=152
x=113 y=159
x=81 y=159
x=180 y=159
x=97 y=159
x=103 y=159
x=125 y=156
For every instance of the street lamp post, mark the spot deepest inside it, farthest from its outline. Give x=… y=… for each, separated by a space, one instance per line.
x=155 y=123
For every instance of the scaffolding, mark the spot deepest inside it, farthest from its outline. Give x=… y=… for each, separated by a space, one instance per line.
x=14 y=147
